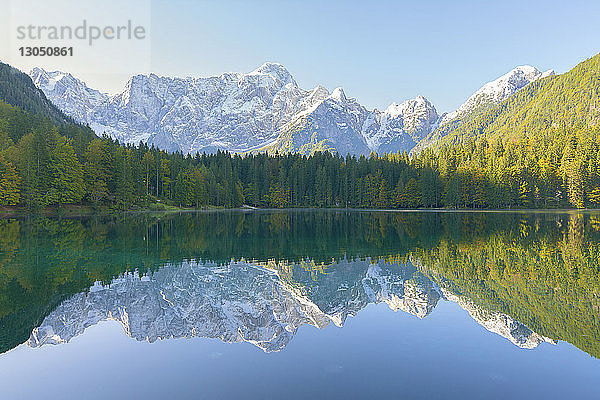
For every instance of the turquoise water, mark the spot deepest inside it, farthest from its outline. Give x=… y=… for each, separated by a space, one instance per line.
x=302 y=303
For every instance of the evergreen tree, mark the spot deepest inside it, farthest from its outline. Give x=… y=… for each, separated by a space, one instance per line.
x=9 y=183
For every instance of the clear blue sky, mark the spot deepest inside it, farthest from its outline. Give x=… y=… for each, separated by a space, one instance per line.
x=379 y=51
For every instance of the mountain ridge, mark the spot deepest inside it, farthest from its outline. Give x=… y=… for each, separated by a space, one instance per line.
x=486 y=97
x=264 y=111
x=262 y=106
x=536 y=108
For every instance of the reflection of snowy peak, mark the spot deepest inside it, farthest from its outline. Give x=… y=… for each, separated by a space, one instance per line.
x=234 y=303
x=502 y=324
x=238 y=302
x=499 y=323
x=260 y=304
x=412 y=293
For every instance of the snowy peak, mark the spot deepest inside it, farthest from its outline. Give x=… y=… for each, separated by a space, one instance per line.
x=237 y=112
x=263 y=110
x=547 y=73
x=498 y=90
x=275 y=71
x=400 y=126
x=233 y=111
x=521 y=73
x=509 y=83
x=420 y=101
x=318 y=94
x=342 y=124
x=489 y=95
x=338 y=95
x=68 y=93
x=57 y=80
x=417 y=114
x=41 y=78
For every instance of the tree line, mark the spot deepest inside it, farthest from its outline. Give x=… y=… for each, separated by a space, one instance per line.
x=43 y=168
x=42 y=165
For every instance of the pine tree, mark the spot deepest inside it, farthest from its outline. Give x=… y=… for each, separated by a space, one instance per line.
x=411 y=196
x=383 y=195
x=98 y=164
x=66 y=174
x=9 y=183
x=148 y=165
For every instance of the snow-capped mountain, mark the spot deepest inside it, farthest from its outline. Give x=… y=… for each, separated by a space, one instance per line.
x=69 y=94
x=498 y=90
x=232 y=111
x=502 y=324
x=264 y=109
x=415 y=117
x=489 y=95
x=334 y=123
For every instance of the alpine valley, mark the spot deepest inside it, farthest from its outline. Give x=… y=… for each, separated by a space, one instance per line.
x=263 y=111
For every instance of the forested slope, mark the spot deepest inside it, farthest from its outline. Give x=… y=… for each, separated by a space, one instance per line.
x=541 y=147
x=564 y=103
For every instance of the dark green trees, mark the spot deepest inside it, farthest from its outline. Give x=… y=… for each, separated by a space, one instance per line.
x=42 y=169
x=9 y=183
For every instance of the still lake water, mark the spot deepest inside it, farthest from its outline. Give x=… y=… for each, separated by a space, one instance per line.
x=301 y=304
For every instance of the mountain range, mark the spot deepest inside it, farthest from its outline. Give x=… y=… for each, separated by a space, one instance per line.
x=263 y=111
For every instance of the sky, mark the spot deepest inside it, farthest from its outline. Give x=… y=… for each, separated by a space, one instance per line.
x=379 y=51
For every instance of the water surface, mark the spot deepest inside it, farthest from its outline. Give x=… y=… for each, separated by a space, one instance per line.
x=301 y=303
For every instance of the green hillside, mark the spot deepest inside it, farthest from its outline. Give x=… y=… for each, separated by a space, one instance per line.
x=563 y=103
x=539 y=148
x=17 y=89
x=23 y=107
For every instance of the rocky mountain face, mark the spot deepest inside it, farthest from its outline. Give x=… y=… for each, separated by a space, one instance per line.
x=262 y=110
x=69 y=94
x=417 y=118
x=496 y=91
x=260 y=304
x=489 y=95
x=340 y=123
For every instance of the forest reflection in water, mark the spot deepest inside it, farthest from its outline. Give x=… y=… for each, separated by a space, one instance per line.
x=259 y=276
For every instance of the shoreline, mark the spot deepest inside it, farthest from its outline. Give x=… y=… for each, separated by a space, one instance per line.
x=78 y=211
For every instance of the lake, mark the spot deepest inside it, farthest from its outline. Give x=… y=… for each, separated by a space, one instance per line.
x=301 y=304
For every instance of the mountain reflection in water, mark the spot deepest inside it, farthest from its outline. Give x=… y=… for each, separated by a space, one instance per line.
x=530 y=278
x=244 y=302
